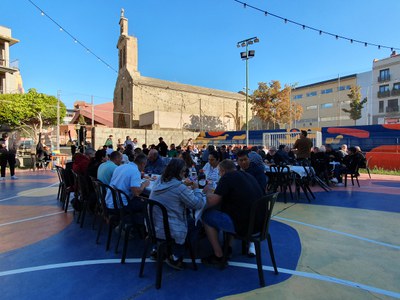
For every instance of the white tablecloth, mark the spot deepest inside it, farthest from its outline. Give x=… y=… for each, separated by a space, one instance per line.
x=299 y=170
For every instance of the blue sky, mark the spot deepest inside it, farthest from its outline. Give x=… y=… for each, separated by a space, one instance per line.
x=194 y=42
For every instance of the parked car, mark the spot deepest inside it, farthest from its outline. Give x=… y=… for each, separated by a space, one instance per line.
x=26 y=145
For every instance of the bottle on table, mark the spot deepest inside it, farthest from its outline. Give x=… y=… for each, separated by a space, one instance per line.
x=202 y=179
x=193 y=173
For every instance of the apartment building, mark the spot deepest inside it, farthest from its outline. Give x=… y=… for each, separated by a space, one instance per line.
x=386 y=90
x=10 y=78
x=323 y=102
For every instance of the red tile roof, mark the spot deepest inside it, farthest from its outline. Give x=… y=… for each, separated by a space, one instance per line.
x=103 y=113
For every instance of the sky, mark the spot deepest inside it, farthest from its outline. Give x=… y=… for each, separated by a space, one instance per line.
x=194 y=42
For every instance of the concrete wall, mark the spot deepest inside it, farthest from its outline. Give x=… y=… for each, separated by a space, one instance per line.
x=144 y=136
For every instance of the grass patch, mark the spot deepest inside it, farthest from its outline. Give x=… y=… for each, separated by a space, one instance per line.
x=381 y=171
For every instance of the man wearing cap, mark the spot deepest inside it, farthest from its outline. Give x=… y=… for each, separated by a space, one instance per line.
x=162 y=147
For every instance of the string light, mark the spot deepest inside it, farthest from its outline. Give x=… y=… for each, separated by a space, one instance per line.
x=315 y=29
x=43 y=13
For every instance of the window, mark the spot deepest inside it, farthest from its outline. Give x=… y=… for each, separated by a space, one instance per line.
x=122 y=96
x=396 y=86
x=393 y=105
x=384 y=75
x=381 y=104
x=344 y=87
x=327 y=105
x=327 y=91
x=298 y=96
x=311 y=107
x=383 y=88
x=311 y=94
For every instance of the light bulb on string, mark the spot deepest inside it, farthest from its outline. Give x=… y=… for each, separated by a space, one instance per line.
x=42 y=13
x=306 y=26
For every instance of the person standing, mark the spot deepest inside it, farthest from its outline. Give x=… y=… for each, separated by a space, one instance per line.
x=302 y=146
x=7 y=155
x=162 y=147
x=109 y=141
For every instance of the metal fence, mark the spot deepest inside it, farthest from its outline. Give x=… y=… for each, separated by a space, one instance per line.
x=289 y=138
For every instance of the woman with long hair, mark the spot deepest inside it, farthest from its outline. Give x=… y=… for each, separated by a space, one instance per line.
x=170 y=191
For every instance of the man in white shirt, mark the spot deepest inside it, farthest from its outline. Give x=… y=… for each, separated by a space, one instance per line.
x=211 y=169
x=128 y=178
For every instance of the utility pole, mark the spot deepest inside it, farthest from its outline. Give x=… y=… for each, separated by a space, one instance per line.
x=58 y=122
x=91 y=98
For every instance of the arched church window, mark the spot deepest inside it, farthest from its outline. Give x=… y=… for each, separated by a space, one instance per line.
x=124 y=57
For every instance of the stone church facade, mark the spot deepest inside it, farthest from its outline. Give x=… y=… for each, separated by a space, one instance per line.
x=149 y=103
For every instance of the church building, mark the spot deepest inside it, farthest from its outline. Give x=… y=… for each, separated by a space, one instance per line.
x=150 y=103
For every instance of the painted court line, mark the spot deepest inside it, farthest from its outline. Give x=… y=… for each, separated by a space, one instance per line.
x=33 y=218
x=27 y=193
x=339 y=232
x=235 y=264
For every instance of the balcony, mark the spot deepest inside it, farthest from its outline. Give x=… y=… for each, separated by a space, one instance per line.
x=390 y=109
x=383 y=94
x=395 y=92
x=384 y=78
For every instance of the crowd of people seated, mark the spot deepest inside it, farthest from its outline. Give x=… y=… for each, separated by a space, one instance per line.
x=235 y=177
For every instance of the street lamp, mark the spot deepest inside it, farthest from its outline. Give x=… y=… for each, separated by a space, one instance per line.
x=245 y=56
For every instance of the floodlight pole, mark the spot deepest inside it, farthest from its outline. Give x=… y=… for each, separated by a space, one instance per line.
x=246 y=43
x=247 y=95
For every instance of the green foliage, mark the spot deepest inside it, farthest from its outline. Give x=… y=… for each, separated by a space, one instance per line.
x=271 y=103
x=30 y=111
x=356 y=105
x=381 y=171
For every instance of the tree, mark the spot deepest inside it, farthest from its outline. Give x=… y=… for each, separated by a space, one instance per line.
x=30 y=112
x=356 y=105
x=272 y=104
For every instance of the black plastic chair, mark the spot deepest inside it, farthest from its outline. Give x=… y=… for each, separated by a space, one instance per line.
x=303 y=182
x=129 y=221
x=110 y=219
x=65 y=187
x=59 y=170
x=164 y=246
x=365 y=165
x=284 y=180
x=82 y=195
x=257 y=235
x=353 y=174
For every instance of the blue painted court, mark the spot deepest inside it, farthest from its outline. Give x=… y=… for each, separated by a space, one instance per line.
x=343 y=245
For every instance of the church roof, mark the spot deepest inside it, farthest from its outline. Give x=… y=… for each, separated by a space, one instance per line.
x=153 y=82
